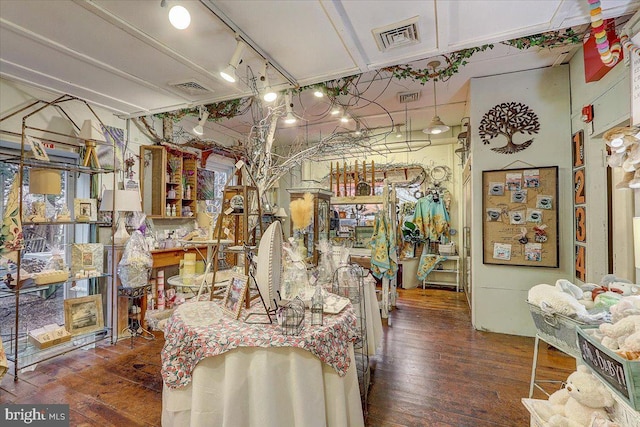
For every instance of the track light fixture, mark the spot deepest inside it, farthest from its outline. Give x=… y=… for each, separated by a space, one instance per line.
x=269 y=95
x=436 y=126
x=335 y=110
x=290 y=118
x=229 y=73
x=202 y=119
x=398 y=131
x=178 y=16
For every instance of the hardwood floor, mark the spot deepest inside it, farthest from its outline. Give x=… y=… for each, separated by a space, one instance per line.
x=432 y=369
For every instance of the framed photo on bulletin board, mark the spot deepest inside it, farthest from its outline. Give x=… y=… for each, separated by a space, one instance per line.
x=520 y=217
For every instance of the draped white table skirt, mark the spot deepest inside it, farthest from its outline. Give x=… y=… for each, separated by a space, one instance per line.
x=374 y=320
x=265 y=387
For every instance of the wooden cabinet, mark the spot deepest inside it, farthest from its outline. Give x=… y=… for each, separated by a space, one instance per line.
x=319 y=227
x=168 y=182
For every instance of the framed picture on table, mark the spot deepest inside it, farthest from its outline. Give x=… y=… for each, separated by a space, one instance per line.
x=83 y=315
x=234 y=296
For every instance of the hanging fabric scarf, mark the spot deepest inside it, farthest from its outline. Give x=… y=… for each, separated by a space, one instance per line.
x=384 y=258
x=432 y=219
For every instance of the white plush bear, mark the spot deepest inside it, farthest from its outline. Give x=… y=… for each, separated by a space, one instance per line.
x=615 y=334
x=583 y=398
x=627 y=306
x=554 y=299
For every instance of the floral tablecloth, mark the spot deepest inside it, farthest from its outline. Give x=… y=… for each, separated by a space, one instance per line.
x=200 y=329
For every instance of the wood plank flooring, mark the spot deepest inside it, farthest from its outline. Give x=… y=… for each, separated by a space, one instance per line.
x=432 y=369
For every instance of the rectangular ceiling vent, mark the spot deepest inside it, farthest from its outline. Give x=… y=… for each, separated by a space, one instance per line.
x=406 y=97
x=191 y=87
x=397 y=35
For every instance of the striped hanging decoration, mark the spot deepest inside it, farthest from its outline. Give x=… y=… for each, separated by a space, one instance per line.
x=608 y=55
x=628 y=45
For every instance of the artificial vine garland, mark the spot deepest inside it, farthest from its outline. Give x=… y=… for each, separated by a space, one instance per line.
x=217 y=111
x=550 y=39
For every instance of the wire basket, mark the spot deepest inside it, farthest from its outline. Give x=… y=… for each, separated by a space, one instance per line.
x=292 y=317
x=556 y=329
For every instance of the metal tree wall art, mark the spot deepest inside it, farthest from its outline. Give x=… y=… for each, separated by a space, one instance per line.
x=508 y=119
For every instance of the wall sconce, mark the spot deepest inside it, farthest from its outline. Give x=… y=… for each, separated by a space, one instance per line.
x=229 y=73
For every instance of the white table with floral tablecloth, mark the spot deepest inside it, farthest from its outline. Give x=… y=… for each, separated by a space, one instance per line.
x=219 y=371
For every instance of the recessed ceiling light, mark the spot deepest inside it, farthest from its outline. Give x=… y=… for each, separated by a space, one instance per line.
x=179 y=17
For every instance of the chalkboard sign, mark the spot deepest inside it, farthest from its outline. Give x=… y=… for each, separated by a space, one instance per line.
x=609 y=369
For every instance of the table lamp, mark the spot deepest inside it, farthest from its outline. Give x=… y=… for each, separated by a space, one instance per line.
x=125 y=201
x=281 y=214
x=91 y=133
x=43 y=181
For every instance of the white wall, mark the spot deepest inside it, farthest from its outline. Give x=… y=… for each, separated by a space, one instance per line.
x=500 y=292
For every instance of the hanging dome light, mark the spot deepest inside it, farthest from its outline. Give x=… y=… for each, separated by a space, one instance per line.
x=436 y=126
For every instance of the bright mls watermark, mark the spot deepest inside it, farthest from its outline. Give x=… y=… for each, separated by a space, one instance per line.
x=34 y=415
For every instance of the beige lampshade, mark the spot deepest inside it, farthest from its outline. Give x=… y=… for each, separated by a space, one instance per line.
x=91 y=130
x=45 y=181
x=281 y=213
x=125 y=201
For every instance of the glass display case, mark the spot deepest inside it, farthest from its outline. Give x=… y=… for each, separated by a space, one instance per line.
x=320 y=222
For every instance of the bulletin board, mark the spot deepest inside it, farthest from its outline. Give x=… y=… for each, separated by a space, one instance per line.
x=520 y=217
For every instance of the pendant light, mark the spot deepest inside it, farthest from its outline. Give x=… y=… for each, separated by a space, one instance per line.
x=436 y=126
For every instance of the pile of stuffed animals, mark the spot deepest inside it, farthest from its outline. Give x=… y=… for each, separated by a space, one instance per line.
x=614 y=305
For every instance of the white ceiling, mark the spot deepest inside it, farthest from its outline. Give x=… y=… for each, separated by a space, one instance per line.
x=124 y=55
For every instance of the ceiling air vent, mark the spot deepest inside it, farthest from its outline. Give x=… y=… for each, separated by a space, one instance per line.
x=191 y=87
x=406 y=97
x=397 y=35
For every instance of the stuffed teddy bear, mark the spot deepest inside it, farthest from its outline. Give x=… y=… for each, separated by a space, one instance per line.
x=614 y=335
x=583 y=398
x=627 y=306
x=556 y=299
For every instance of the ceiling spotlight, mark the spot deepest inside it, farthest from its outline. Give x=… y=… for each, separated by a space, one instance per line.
x=290 y=118
x=398 y=131
x=344 y=119
x=269 y=94
x=436 y=126
x=318 y=93
x=335 y=111
x=357 y=132
x=203 y=115
x=179 y=17
x=229 y=73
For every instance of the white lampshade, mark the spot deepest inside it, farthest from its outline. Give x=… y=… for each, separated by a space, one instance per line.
x=125 y=201
x=281 y=213
x=45 y=181
x=91 y=131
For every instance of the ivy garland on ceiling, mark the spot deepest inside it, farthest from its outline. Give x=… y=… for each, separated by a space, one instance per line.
x=334 y=88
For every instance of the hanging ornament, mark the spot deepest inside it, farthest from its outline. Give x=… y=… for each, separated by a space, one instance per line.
x=608 y=54
x=628 y=45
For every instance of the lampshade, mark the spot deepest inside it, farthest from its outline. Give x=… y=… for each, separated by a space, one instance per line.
x=91 y=131
x=45 y=181
x=125 y=201
x=435 y=127
x=281 y=213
